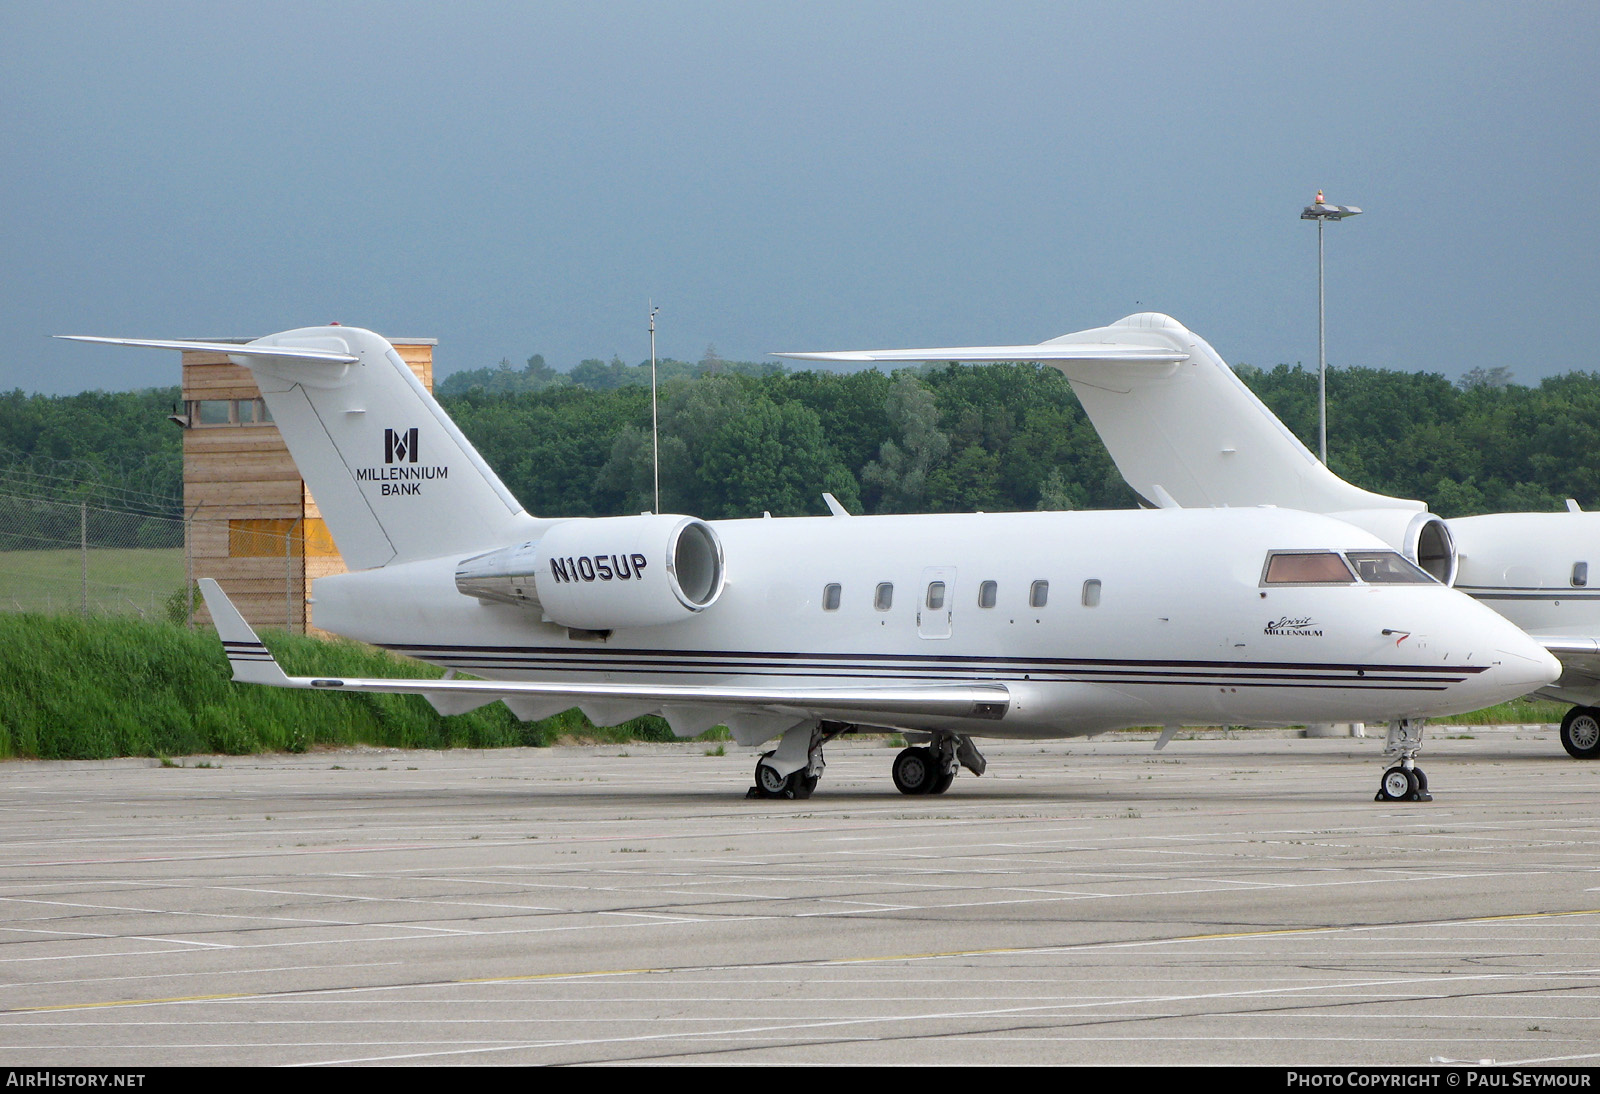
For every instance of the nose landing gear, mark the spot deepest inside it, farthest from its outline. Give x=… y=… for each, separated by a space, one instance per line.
x=1405 y=781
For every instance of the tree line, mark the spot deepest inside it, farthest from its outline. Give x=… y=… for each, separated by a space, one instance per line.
x=741 y=438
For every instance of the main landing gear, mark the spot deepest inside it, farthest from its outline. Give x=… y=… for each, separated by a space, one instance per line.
x=1580 y=733
x=1405 y=781
x=793 y=769
x=931 y=768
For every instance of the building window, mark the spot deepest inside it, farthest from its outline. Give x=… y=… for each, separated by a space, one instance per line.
x=209 y=412
x=281 y=537
x=212 y=412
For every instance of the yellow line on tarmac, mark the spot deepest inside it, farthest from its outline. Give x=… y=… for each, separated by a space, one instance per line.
x=819 y=963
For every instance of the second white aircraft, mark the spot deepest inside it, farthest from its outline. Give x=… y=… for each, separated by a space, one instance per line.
x=1185 y=431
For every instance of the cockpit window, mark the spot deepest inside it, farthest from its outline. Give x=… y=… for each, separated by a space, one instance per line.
x=1387 y=568
x=1306 y=568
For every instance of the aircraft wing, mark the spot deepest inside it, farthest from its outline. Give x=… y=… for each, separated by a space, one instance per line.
x=1579 y=681
x=752 y=713
x=1107 y=352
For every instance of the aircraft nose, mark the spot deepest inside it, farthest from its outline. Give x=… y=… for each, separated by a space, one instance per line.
x=1522 y=666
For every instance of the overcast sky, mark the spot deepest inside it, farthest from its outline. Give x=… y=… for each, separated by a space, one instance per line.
x=519 y=178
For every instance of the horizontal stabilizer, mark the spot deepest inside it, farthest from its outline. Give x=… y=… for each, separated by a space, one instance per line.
x=1107 y=352
x=394 y=478
x=296 y=353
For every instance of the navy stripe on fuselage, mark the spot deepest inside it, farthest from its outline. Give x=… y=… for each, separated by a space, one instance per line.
x=1497 y=593
x=546 y=660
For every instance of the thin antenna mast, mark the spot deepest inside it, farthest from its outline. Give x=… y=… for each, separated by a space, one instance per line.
x=655 y=423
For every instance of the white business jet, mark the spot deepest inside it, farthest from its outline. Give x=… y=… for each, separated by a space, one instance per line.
x=1185 y=431
x=944 y=628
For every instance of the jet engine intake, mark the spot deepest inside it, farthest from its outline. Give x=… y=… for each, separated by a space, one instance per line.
x=605 y=573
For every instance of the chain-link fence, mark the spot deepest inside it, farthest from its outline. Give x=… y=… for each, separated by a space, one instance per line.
x=60 y=556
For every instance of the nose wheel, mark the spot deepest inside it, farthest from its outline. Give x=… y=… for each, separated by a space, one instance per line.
x=1405 y=781
x=1404 y=784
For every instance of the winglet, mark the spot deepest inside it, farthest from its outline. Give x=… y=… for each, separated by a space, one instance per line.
x=252 y=662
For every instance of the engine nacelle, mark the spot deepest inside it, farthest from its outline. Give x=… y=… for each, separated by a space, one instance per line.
x=604 y=573
x=1421 y=536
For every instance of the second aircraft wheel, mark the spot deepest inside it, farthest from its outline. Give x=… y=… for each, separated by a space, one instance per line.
x=915 y=771
x=1580 y=733
x=942 y=782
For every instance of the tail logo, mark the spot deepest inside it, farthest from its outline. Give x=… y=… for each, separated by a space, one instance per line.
x=400 y=446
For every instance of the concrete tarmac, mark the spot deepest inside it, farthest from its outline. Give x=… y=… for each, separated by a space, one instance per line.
x=1224 y=901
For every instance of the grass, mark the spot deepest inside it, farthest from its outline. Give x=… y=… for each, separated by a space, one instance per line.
x=121 y=580
x=75 y=688
x=1525 y=711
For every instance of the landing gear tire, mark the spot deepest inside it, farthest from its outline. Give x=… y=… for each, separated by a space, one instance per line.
x=916 y=771
x=1580 y=733
x=769 y=783
x=1397 y=785
x=942 y=782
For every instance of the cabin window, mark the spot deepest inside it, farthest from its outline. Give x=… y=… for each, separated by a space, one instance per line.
x=1091 y=593
x=1387 y=568
x=1306 y=568
x=1580 y=574
x=935 y=596
x=1038 y=594
x=830 y=597
x=987 y=594
x=883 y=599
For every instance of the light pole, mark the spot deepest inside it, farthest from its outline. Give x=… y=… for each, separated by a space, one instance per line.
x=1322 y=212
x=655 y=428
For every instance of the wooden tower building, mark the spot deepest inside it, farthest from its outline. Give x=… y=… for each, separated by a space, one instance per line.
x=251 y=522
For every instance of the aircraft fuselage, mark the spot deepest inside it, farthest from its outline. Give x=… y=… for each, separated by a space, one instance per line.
x=1141 y=618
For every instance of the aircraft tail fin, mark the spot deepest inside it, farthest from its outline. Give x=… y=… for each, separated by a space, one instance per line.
x=1191 y=431
x=394 y=478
